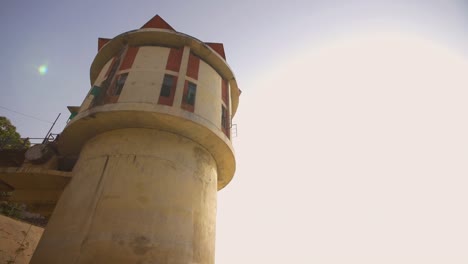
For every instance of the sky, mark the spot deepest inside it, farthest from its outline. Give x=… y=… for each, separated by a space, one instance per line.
x=351 y=130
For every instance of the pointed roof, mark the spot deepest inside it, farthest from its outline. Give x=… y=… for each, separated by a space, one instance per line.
x=218 y=47
x=157 y=22
x=102 y=42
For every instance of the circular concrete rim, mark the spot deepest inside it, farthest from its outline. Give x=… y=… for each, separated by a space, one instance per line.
x=163 y=37
x=97 y=120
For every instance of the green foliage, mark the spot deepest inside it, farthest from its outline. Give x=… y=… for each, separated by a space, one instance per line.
x=9 y=209
x=9 y=138
x=20 y=211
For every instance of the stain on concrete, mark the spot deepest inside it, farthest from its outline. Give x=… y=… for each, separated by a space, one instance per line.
x=141 y=245
x=204 y=160
x=143 y=199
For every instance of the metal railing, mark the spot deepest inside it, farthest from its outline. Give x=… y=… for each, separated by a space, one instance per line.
x=51 y=137
x=27 y=142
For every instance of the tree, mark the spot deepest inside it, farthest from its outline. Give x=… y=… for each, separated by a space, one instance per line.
x=9 y=138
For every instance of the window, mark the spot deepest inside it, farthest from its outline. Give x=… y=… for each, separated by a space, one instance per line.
x=225 y=121
x=167 y=85
x=188 y=100
x=191 y=90
x=120 y=83
x=96 y=90
x=166 y=95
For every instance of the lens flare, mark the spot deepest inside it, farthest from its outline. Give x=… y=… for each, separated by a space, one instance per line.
x=42 y=69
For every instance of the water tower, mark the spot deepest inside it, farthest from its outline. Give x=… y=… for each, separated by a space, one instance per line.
x=152 y=146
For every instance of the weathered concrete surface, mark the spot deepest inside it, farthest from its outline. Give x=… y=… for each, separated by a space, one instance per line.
x=136 y=196
x=18 y=240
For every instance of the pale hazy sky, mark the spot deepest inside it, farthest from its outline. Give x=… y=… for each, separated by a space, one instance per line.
x=352 y=139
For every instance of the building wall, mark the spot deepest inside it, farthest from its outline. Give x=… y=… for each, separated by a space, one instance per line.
x=18 y=240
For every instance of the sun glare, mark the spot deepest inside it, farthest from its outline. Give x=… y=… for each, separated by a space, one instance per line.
x=42 y=69
x=373 y=127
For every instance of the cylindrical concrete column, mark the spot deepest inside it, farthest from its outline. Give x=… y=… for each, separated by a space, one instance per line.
x=136 y=196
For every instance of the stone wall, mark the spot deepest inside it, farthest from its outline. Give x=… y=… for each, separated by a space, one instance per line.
x=18 y=240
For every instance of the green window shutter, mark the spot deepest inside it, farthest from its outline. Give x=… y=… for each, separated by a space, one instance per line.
x=96 y=90
x=72 y=115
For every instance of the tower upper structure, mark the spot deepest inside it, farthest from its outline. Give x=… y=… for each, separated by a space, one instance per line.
x=155 y=77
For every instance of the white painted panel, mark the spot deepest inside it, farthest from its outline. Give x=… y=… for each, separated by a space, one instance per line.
x=145 y=78
x=154 y=58
x=142 y=87
x=208 y=98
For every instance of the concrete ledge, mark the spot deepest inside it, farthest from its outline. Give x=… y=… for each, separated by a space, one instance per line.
x=37 y=188
x=97 y=120
x=34 y=178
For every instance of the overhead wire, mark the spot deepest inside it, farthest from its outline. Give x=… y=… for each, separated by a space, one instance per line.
x=23 y=114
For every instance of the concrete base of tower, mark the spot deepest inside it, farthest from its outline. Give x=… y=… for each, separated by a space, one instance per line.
x=136 y=196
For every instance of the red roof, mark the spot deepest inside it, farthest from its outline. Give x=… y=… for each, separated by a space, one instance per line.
x=157 y=22
x=102 y=42
x=218 y=47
